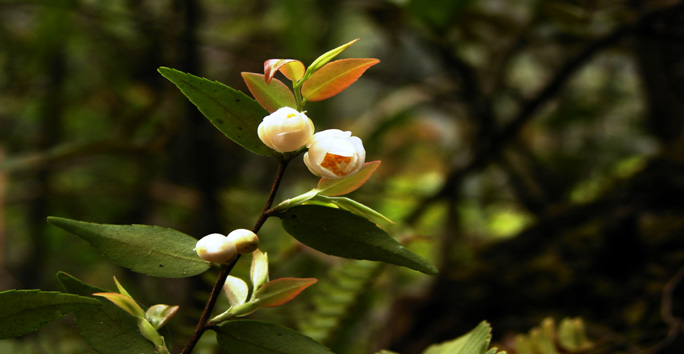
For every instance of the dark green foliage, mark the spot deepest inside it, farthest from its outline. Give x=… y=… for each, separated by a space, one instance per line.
x=340 y=233
x=107 y=328
x=255 y=337
x=150 y=250
x=24 y=311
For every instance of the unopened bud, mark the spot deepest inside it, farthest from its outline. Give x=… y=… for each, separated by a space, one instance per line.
x=216 y=248
x=245 y=240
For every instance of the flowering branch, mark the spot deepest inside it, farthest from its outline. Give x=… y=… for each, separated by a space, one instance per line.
x=226 y=268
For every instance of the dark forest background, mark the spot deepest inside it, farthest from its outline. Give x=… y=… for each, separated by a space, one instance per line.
x=533 y=150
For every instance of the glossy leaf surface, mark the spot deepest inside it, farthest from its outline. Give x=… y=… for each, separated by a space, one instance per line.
x=334 y=77
x=232 y=112
x=342 y=186
x=259 y=269
x=282 y=290
x=150 y=250
x=256 y=337
x=24 y=311
x=326 y=57
x=236 y=290
x=107 y=328
x=340 y=233
x=271 y=96
x=291 y=68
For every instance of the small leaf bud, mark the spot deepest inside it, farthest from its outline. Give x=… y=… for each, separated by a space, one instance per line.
x=245 y=240
x=216 y=248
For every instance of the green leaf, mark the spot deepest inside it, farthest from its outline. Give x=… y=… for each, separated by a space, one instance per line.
x=259 y=269
x=279 y=291
x=334 y=77
x=342 y=186
x=325 y=58
x=474 y=342
x=340 y=233
x=232 y=112
x=158 y=315
x=124 y=302
x=236 y=290
x=24 y=311
x=107 y=328
x=256 y=337
x=271 y=96
x=150 y=250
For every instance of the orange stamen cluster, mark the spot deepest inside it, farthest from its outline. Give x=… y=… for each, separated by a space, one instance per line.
x=335 y=163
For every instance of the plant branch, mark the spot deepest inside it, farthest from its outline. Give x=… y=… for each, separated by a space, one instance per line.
x=675 y=325
x=226 y=268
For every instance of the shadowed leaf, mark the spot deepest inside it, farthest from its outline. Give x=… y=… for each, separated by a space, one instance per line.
x=256 y=337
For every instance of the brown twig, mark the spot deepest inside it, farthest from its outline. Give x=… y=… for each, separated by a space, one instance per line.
x=225 y=269
x=675 y=324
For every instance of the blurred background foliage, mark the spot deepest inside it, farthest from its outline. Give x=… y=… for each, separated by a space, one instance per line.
x=533 y=150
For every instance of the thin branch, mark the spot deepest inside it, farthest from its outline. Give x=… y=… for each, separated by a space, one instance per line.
x=675 y=325
x=225 y=269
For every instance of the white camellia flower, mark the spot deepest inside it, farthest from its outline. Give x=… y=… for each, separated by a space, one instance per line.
x=216 y=248
x=245 y=240
x=334 y=154
x=286 y=130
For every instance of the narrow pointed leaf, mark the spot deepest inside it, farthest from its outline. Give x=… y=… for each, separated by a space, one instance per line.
x=106 y=328
x=473 y=342
x=150 y=250
x=236 y=290
x=357 y=208
x=232 y=112
x=340 y=233
x=24 y=311
x=334 y=77
x=259 y=270
x=279 y=291
x=291 y=68
x=325 y=58
x=124 y=302
x=342 y=186
x=256 y=337
x=122 y=290
x=271 y=96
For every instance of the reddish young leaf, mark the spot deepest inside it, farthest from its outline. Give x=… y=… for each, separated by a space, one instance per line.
x=342 y=186
x=291 y=68
x=279 y=291
x=334 y=77
x=271 y=96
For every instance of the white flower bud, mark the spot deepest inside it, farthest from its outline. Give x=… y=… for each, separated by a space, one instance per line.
x=245 y=240
x=334 y=154
x=286 y=130
x=216 y=248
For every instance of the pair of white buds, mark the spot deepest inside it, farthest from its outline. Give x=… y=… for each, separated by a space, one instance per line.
x=332 y=153
x=218 y=248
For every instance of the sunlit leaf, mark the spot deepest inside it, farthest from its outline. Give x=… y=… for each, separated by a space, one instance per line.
x=340 y=233
x=124 y=302
x=150 y=250
x=256 y=337
x=107 y=328
x=236 y=290
x=24 y=311
x=259 y=269
x=232 y=112
x=334 y=77
x=325 y=58
x=279 y=291
x=271 y=96
x=291 y=68
x=342 y=186
x=474 y=342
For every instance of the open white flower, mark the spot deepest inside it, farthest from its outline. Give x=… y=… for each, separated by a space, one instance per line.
x=334 y=154
x=286 y=130
x=216 y=248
